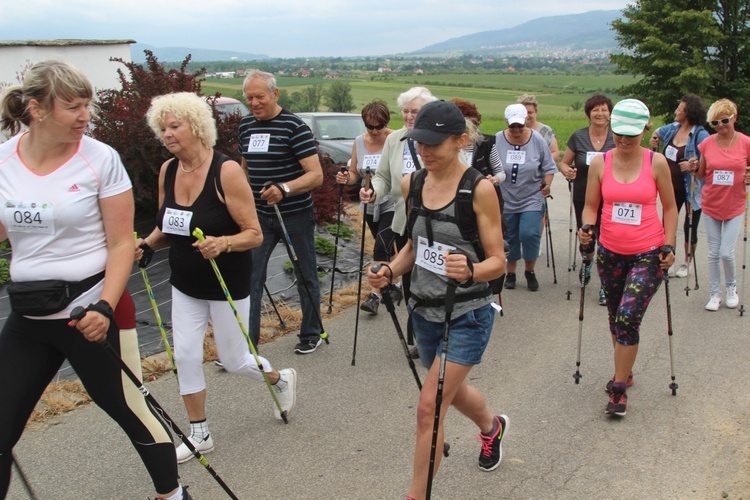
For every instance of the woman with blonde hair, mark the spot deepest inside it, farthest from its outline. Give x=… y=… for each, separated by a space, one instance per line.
x=724 y=166
x=201 y=187
x=69 y=216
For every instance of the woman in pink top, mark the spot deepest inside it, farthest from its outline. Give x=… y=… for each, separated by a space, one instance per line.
x=632 y=257
x=724 y=165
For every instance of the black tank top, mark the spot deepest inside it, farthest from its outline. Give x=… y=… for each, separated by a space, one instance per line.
x=191 y=273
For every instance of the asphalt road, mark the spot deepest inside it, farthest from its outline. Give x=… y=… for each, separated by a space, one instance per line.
x=351 y=434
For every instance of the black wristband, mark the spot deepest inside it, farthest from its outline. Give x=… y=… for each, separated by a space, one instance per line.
x=103 y=308
x=281 y=189
x=467 y=283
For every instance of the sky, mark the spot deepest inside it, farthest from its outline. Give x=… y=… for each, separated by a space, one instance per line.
x=278 y=28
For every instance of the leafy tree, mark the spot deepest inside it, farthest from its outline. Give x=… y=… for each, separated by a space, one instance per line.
x=681 y=46
x=338 y=97
x=121 y=122
x=312 y=96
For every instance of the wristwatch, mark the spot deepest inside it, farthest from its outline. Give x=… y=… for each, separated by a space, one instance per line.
x=103 y=308
x=284 y=188
x=667 y=248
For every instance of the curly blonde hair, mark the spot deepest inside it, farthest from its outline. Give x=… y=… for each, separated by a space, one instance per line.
x=184 y=106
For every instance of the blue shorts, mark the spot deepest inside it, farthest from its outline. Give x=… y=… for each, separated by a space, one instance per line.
x=467 y=339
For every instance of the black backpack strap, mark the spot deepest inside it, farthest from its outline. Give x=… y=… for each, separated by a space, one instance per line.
x=413 y=151
x=466 y=218
x=414 y=202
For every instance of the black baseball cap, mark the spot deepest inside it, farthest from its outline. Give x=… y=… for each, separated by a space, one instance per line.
x=436 y=121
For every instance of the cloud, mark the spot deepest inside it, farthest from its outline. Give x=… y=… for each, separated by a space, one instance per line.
x=284 y=28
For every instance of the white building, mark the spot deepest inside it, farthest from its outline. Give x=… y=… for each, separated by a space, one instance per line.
x=92 y=56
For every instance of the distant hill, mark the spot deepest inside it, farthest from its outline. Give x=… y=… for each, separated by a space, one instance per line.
x=573 y=32
x=177 y=54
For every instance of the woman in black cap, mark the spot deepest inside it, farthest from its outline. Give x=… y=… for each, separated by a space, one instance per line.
x=440 y=258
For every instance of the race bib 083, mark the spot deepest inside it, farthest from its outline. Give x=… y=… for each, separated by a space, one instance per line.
x=176 y=222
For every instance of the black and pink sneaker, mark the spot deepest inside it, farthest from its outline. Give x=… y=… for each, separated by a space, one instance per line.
x=492 y=446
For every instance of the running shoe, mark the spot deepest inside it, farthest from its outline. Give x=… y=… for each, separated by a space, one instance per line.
x=202 y=445
x=602 y=297
x=618 y=404
x=531 y=281
x=671 y=272
x=185 y=494
x=733 y=299
x=371 y=304
x=492 y=446
x=287 y=395
x=307 y=346
x=608 y=386
x=714 y=302
x=510 y=281
x=682 y=271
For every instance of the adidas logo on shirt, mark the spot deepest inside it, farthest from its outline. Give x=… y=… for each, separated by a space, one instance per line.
x=73 y=189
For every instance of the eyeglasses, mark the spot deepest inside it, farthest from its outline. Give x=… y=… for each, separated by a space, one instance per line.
x=409 y=111
x=516 y=125
x=723 y=120
x=375 y=127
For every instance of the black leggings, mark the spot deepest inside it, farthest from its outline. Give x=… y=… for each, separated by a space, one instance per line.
x=385 y=238
x=31 y=352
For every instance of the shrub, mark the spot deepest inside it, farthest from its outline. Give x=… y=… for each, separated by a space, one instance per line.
x=324 y=246
x=4 y=271
x=345 y=232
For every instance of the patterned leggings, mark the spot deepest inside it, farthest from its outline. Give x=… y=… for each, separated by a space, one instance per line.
x=629 y=283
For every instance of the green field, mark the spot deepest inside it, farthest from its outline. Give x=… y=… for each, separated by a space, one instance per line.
x=558 y=95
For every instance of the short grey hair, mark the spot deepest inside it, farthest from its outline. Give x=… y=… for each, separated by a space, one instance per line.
x=263 y=75
x=415 y=93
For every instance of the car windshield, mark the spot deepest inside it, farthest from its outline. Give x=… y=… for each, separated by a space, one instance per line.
x=232 y=108
x=340 y=127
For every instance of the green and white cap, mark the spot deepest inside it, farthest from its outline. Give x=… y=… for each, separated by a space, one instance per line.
x=629 y=117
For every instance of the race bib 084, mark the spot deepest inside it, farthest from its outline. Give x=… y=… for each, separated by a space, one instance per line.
x=29 y=217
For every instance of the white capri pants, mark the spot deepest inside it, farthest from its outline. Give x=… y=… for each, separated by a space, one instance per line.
x=190 y=319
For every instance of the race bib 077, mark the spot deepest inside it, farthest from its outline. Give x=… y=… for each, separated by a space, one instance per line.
x=258 y=143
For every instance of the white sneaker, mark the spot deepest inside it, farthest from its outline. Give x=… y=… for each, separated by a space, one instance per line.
x=287 y=396
x=714 y=302
x=682 y=271
x=203 y=445
x=671 y=272
x=732 y=298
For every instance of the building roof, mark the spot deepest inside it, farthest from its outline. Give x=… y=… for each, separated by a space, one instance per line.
x=61 y=42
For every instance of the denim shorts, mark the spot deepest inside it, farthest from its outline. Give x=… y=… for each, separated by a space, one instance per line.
x=467 y=338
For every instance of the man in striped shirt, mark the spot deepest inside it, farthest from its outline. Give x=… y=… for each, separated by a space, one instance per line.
x=277 y=146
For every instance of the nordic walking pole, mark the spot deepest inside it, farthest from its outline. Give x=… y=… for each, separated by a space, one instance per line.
x=744 y=247
x=545 y=223
x=450 y=297
x=571 y=258
x=79 y=312
x=585 y=250
x=673 y=385
x=336 y=243
x=551 y=248
x=197 y=233
x=24 y=479
x=361 y=264
x=690 y=220
x=293 y=255
x=392 y=311
x=148 y=254
x=273 y=304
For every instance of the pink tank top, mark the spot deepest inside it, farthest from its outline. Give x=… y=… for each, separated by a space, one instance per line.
x=630 y=223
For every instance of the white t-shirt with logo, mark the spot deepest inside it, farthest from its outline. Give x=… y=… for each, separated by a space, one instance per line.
x=53 y=221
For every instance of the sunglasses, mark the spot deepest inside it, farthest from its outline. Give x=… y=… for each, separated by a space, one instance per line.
x=375 y=127
x=516 y=125
x=723 y=120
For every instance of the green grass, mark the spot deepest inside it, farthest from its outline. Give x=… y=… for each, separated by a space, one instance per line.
x=556 y=93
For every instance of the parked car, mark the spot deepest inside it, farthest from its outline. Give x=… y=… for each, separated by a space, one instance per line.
x=335 y=132
x=228 y=105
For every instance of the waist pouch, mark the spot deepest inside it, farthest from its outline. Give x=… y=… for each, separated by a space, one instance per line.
x=42 y=298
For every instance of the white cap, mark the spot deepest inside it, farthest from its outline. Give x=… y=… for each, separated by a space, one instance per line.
x=516 y=113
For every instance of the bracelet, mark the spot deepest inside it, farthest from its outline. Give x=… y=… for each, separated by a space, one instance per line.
x=229 y=244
